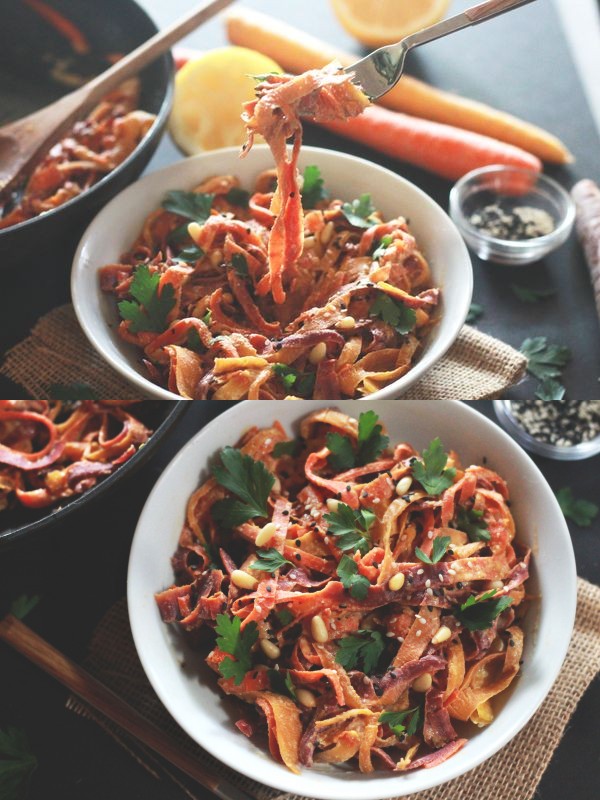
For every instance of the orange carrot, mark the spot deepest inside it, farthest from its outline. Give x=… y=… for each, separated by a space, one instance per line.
x=443 y=149
x=297 y=52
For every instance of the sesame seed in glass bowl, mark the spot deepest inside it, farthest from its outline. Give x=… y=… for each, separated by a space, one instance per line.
x=565 y=430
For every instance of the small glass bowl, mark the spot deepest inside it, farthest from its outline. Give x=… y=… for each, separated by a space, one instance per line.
x=576 y=452
x=514 y=187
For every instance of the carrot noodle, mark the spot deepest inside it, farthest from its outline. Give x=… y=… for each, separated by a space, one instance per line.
x=50 y=450
x=93 y=147
x=432 y=662
x=64 y=26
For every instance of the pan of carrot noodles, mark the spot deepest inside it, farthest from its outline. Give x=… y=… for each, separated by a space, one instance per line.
x=361 y=599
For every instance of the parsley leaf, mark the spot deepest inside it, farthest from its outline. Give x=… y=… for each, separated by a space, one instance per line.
x=71 y=391
x=281 y=684
x=249 y=480
x=471 y=522
x=303 y=383
x=550 y=389
x=313 y=190
x=395 y=721
x=231 y=639
x=371 y=442
x=382 y=247
x=431 y=472
x=350 y=527
x=357 y=585
x=284 y=616
x=23 y=605
x=582 y=512
x=151 y=310
x=240 y=265
x=396 y=314
x=238 y=197
x=17 y=763
x=365 y=648
x=259 y=77
x=545 y=360
x=475 y=312
x=269 y=560
x=527 y=295
x=291 y=448
x=190 y=254
x=477 y=614
x=191 y=205
x=358 y=212
x=207 y=318
x=440 y=545
x=341 y=456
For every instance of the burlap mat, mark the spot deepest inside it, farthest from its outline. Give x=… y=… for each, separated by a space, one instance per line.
x=512 y=774
x=477 y=367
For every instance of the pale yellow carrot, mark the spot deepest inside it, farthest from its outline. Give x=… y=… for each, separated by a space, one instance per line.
x=297 y=52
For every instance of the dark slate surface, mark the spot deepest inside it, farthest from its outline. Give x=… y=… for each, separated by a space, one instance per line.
x=81 y=571
x=520 y=63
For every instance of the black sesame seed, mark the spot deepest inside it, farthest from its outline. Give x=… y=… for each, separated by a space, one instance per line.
x=298 y=543
x=459 y=585
x=286 y=513
x=348 y=488
x=298 y=557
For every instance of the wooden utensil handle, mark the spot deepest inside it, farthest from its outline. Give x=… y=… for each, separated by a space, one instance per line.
x=103 y=699
x=492 y=8
x=134 y=62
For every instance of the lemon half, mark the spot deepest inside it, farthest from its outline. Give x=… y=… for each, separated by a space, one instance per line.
x=209 y=92
x=379 y=22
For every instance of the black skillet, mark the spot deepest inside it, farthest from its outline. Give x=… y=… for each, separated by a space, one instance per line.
x=37 y=64
x=20 y=525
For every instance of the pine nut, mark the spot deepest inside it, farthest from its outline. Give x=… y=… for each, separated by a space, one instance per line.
x=497 y=646
x=346 y=324
x=243 y=580
x=333 y=505
x=269 y=649
x=265 y=534
x=318 y=629
x=443 y=634
x=396 y=582
x=318 y=353
x=306 y=698
x=403 y=485
x=216 y=258
x=309 y=242
x=194 y=230
x=422 y=683
x=327 y=233
x=498 y=585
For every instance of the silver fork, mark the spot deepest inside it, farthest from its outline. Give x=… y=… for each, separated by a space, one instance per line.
x=378 y=72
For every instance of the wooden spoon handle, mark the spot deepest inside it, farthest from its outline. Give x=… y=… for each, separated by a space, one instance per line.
x=143 y=55
x=104 y=700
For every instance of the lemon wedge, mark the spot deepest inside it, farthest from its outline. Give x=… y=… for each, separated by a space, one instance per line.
x=209 y=92
x=379 y=22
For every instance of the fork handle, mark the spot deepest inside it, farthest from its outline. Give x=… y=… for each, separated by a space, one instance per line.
x=472 y=16
x=492 y=8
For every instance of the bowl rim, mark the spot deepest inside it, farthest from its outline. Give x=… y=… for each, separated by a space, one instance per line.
x=540 y=242
x=155 y=130
x=12 y=536
x=395 y=389
x=285 y=782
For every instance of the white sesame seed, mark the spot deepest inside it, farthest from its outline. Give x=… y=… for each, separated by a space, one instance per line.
x=390 y=634
x=400 y=639
x=451 y=571
x=430 y=535
x=418 y=633
x=429 y=592
x=420 y=571
x=326 y=540
x=441 y=577
x=376 y=500
x=427 y=583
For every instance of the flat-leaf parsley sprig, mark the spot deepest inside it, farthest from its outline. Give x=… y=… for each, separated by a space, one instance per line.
x=370 y=444
x=249 y=480
x=350 y=527
x=231 y=639
x=150 y=308
x=362 y=650
x=479 y=613
x=431 y=472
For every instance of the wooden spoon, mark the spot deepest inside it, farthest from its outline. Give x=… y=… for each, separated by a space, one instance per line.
x=23 y=141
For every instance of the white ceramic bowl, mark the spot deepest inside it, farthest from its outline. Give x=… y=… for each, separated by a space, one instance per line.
x=116 y=227
x=191 y=694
